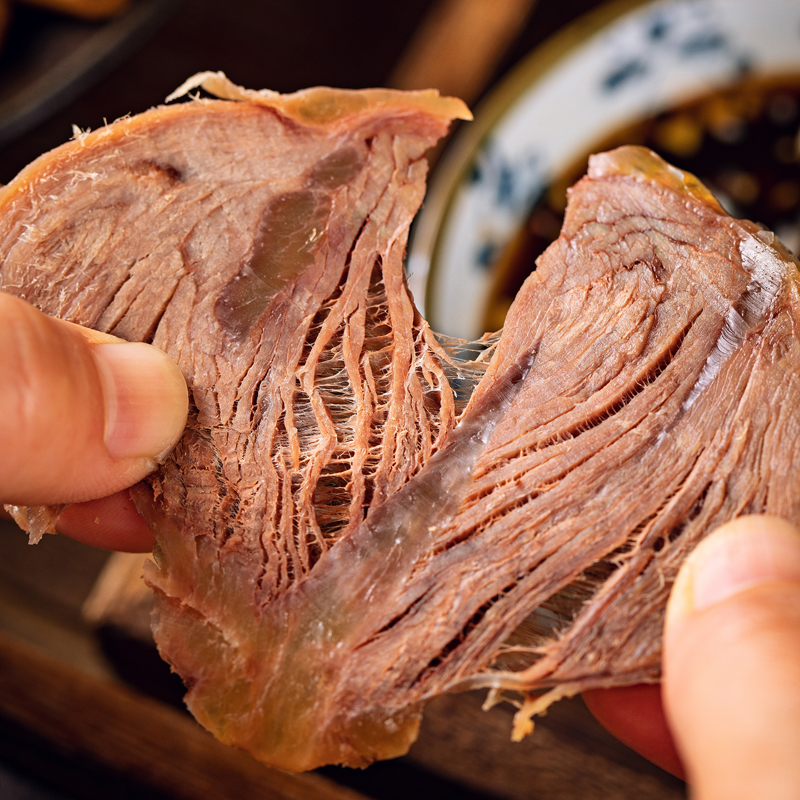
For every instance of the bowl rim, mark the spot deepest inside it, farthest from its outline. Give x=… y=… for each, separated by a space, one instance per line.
x=458 y=157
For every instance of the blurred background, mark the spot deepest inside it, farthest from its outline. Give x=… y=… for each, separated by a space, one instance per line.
x=87 y=710
x=282 y=45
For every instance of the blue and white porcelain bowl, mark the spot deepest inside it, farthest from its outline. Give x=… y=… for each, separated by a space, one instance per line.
x=620 y=64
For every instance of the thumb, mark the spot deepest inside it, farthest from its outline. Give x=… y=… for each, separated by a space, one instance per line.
x=732 y=662
x=82 y=415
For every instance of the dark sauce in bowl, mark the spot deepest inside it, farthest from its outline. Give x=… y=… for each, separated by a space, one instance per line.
x=741 y=142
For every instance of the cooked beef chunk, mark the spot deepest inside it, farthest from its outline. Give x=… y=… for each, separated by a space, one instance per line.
x=362 y=515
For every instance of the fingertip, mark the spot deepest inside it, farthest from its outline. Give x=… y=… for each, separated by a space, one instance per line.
x=82 y=415
x=635 y=716
x=732 y=661
x=111 y=523
x=146 y=400
x=744 y=553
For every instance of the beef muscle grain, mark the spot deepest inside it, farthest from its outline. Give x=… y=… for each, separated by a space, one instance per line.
x=362 y=515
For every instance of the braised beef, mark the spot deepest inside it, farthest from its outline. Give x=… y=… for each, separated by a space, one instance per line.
x=363 y=515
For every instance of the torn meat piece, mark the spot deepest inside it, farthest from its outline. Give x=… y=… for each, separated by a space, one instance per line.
x=363 y=515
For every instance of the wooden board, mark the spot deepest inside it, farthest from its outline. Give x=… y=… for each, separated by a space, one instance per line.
x=136 y=736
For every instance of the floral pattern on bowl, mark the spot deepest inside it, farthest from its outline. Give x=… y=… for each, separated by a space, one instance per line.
x=620 y=64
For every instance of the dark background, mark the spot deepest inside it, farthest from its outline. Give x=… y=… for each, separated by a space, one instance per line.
x=282 y=45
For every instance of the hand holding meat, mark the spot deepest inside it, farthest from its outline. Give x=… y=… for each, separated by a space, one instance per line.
x=731 y=669
x=82 y=416
x=732 y=662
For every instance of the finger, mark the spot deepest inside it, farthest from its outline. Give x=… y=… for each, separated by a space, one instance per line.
x=635 y=716
x=111 y=523
x=732 y=662
x=78 y=420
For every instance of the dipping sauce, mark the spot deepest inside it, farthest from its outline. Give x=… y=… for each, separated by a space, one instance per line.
x=741 y=142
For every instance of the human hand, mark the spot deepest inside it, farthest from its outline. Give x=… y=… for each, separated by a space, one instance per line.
x=731 y=686
x=83 y=416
